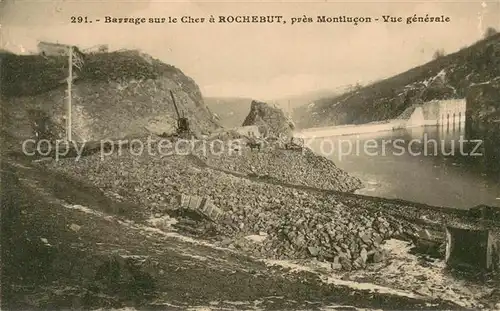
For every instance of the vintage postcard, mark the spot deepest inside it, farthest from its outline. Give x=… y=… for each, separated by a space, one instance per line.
x=256 y=155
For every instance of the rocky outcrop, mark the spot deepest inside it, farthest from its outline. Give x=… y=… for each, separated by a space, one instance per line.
x=483 y=107
x=115 y=95
x=272 y=120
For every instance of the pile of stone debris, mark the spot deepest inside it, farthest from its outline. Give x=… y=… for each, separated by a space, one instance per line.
x=294 y=167
x=346 y=239
x=295 y=223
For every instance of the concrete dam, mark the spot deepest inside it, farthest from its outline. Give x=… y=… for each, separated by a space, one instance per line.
x=449 y=113
x=438 y=112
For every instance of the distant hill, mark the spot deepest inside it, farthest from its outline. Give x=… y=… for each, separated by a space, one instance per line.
x=231 y=111
x=446 y=77
x=290 y=103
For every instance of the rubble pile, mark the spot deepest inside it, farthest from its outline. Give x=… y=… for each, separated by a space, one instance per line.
x=346 y=245
x=296 y=223
x=295 y=167
x=288 y=166
x=224 y=135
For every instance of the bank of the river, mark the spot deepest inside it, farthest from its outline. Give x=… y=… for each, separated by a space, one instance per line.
x=420 y=165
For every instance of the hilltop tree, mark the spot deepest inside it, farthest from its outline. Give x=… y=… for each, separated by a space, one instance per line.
x=354 y=88
x=438 y=54
x=490 y=32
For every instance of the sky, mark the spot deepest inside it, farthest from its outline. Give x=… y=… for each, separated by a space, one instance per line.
x=258 y=60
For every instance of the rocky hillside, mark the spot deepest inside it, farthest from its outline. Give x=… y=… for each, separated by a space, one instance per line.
x=447 y=77
x=117 y=94
x=483 y=103
x=290 y=103
x=272 y=119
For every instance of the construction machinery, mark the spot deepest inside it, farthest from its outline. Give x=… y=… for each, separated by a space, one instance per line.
x=183 y=128
x=254 y=144
x=295 y=143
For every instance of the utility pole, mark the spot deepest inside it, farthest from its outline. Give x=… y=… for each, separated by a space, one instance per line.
x=68 y=107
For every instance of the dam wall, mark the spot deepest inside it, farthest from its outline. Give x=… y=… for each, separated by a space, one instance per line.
x=447 y=113
x=351 y=129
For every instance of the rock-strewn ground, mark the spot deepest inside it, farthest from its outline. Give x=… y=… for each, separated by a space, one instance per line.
x=298 y=223
x=65 y=245
x=297 y=167
x=265 y=218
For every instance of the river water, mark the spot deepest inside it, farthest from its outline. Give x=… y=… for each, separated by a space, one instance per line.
x=397 y=164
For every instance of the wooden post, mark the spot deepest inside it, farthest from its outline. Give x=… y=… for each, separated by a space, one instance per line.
x=70 y=81
x=449 y=244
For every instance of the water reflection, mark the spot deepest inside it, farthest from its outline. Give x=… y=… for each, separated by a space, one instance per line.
x=439 y=141
x=438 y=165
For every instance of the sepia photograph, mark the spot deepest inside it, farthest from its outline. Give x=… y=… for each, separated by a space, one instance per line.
x=249 y=155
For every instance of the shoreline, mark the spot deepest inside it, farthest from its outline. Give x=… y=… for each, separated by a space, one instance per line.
x=367 y=128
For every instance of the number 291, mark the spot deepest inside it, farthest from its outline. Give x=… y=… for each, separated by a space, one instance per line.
x=79 y=19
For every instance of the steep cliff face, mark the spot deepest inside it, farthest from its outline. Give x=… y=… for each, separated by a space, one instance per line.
x=447 y=77
x=483 y=122
x=483 y=103
x=115 y=95
x=271 y=119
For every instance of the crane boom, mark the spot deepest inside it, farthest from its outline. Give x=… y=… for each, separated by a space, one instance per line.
x=182 y=122
x=175 y=105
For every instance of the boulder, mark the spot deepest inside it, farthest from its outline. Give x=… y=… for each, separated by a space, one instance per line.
x=270 y=120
